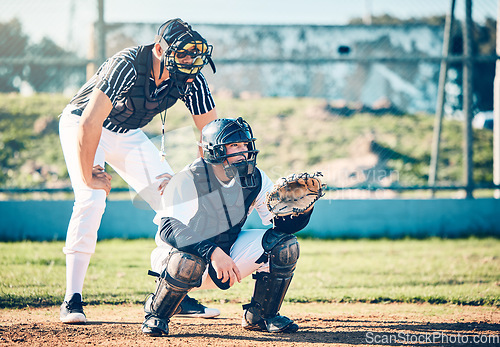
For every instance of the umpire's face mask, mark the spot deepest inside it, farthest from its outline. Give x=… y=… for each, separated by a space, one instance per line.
x=185 y=53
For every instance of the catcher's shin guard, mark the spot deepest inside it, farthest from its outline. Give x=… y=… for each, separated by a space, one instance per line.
x=270 y=288
x=183 y=272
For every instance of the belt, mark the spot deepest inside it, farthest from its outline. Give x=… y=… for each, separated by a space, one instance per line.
x=106 y=124
x=114 y=128
x=77 y=111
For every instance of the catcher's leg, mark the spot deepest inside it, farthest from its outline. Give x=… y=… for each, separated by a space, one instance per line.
x=183 y=271
x=270 y=288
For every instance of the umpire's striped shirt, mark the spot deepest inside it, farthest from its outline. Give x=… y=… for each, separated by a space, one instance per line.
x=117 y=75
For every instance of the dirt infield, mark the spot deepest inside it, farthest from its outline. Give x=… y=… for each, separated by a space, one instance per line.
x=320 y=324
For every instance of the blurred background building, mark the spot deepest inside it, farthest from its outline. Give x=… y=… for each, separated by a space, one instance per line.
x=380 y=54
x=374 y=57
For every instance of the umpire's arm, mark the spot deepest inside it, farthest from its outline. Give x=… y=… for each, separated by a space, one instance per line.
x=89 y=134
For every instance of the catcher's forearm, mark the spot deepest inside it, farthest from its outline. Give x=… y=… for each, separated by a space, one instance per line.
x=177 y=234
x=291 y=225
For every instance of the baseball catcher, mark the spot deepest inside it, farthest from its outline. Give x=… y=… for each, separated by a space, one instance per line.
x=200 y=241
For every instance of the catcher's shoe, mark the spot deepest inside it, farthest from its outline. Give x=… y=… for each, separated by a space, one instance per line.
x=277 y=324
x=72 y=310
x=154 y=326
x=191 y=308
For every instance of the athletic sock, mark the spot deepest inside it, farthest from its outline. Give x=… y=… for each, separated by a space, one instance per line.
x=76 y=268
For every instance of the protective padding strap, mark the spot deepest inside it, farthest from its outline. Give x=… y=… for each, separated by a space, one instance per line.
x=152 y=322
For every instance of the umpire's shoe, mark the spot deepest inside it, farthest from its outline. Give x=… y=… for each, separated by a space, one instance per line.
x=191 y=308
x=72 y=310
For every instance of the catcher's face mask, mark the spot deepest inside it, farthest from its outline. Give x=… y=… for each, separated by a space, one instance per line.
x=185 y=53
x=221 y=132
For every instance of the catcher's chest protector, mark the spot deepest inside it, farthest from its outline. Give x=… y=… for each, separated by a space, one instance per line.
x=139 y=107
x=221 y=211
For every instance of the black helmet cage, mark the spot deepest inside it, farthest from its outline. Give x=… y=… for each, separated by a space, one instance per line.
x=214 y=150
x=184 y=41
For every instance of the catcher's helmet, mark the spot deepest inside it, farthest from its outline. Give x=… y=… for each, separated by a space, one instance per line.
x=224 y=131
x=177 y=41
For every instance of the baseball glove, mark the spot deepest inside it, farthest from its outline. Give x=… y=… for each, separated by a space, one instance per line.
x=294 y=194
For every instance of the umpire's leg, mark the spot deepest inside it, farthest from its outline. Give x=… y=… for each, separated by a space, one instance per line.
x=138 y=162
x=85 y=220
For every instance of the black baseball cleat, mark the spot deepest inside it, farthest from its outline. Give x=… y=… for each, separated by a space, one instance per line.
x=154 y=326
x=191 y=308
x=72 y=310
x=277 y=324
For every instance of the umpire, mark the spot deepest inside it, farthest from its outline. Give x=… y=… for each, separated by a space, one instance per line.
x=102 y=124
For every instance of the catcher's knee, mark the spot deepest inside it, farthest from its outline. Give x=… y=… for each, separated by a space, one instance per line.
x=183 y=270
x=283 y=251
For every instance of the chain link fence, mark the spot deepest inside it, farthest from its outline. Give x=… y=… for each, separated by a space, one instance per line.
x=376 y=65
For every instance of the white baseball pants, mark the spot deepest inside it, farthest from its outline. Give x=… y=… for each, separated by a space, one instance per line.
x=132 y=155
x=244 y=252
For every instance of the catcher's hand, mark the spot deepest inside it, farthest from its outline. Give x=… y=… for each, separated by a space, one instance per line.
x=295 y=194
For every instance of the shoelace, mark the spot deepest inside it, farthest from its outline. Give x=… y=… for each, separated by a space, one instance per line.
x=192 y=301
x=75 y=305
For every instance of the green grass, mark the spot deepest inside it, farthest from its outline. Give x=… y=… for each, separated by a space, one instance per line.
x=437 y=271
x=293 y=135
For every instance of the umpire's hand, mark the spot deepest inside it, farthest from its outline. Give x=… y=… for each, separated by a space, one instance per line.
x=225 y=267
x=100 y=179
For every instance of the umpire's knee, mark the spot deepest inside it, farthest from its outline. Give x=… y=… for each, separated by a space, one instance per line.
x=90 y=198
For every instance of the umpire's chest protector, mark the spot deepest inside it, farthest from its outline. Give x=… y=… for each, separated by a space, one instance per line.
x=138 y=108
x=222 y=211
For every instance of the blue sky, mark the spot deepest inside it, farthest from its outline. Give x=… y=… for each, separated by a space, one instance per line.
x=53 y=18
x=286 y=11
